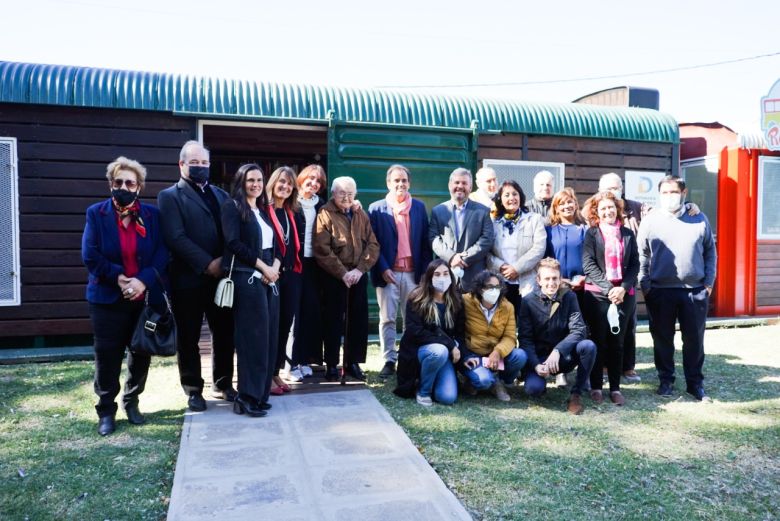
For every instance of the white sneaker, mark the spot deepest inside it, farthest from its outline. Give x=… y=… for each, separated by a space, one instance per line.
x=295 y=375
x=425 y=401
x=306 y=370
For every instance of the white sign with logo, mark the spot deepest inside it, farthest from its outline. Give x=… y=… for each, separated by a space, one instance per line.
x=642 y=186
x=770 y=117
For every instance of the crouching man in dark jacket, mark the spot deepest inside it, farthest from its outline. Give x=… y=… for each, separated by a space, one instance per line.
x=554 y=336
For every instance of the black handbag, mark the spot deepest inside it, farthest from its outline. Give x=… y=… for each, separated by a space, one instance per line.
x=155 y=332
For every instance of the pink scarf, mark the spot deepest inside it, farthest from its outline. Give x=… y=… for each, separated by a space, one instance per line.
x=613 y=251
x=401 y=215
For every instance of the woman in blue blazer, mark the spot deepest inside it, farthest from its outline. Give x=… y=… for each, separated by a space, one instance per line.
x=124 y=253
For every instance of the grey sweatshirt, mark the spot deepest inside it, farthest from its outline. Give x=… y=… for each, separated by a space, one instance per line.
x=675 y=251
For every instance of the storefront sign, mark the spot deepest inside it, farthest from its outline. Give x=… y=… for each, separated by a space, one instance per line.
x=642 y=186
x=770 y=117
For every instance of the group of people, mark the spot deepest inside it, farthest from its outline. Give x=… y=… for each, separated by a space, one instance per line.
x=491 y=286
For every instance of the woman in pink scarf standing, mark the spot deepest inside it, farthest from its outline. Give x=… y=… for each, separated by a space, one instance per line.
x=400 y=224
x=610 y=260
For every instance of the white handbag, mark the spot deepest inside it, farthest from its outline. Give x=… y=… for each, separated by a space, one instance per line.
x=224 y=295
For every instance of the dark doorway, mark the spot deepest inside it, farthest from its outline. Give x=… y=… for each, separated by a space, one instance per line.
x=267 y=145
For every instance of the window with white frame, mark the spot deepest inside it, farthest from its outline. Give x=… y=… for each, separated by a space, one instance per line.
x=523 y=172
x=768 y=195
x=9 y=224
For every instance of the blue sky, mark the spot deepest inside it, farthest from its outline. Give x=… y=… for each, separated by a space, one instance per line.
x=434 y=43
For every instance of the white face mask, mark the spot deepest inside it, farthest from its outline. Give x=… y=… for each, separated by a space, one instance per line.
x=617 y=192
x=441 y=284
x=490 y=296
x=671 y=202
x=457 y=272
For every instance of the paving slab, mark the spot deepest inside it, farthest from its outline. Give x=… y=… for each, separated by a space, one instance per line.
x=323 y=456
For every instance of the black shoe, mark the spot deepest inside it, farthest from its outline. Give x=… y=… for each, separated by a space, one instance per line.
x=356 y=372
x=242 y=406
x=229 y=394
x=388 y=370
x=665 y=389
x=106 y=425
x=264 y=406
x=196 y=403
x=332 y=373
x=134 y=416
x=697 y=391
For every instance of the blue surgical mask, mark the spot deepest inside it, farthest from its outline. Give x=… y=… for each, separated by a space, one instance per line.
x=198 y=174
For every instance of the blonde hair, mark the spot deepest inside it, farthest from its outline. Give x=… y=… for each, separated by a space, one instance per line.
x=292 y=201
x=123 y=163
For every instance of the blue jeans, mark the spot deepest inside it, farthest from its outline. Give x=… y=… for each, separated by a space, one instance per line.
x=437 y=375
x=482 y=378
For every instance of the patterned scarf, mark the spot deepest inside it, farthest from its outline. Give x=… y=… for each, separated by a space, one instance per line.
x=613 y=251
x=134 y=212
x=279 y=234
x=510 y=220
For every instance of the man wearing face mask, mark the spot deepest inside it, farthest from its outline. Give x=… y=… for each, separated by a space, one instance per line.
x=193 y=233
x=677 y=260
x=544 y=189
x=460 y=230
x=487 y=186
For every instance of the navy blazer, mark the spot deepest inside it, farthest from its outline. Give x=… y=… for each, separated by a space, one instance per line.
x=102 y=255
x=474 y=242
x=191 y=233
x=593 y=260
x=383 y=223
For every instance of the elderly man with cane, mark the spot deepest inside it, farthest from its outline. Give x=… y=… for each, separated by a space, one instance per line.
x=345 y=248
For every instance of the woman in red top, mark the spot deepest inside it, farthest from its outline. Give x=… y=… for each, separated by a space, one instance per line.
x=125 y=254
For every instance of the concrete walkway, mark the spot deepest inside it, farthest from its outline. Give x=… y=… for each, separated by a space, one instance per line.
x=321 y=456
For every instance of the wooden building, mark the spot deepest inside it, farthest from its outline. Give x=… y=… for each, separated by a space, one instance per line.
x=60 y=126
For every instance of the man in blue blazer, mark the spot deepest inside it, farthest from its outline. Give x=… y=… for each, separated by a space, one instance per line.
x=400 y=224
x=461 y=231
x=191 y=225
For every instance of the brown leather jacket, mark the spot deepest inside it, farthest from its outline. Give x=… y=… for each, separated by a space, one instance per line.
x=341 y=245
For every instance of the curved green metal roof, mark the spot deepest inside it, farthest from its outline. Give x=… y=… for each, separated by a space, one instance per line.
x=215 y=97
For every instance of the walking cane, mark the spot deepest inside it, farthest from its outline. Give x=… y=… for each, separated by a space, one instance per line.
x=346 y=341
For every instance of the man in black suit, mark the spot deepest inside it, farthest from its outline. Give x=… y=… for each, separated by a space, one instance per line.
x=190 y=221
x=460 y=230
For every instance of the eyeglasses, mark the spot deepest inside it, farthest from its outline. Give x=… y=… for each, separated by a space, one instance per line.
x=345 y=195
x=129 y=183
x=492 y=286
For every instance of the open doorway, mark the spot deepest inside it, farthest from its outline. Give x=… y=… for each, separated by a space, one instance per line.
x=271 y=146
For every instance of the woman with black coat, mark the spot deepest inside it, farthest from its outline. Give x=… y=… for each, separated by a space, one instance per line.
x=610 y=260
x=248 y=226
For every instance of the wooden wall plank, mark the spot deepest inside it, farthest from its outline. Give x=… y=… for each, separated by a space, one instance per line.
x=70 y=326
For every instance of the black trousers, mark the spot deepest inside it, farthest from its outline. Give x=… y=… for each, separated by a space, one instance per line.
x=256 y=313
x=307 y=330
x=346 y=314
x=189 y=306
x=609 y=347
x=629 y=344
x=113 y=326
x=290 y=285
x=688 y=306
x=514 y=298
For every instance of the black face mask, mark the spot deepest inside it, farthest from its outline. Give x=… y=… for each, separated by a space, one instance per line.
x=124 y=197
x=198 y=174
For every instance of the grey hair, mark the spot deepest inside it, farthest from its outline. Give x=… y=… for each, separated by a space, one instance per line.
x=400 y=168
x=460 y=172
x=189 y=144
x=343 y=182
x=609 y=175
x=484 y=170
x=543 y=173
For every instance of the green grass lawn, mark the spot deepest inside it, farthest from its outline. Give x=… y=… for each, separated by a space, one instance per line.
x=53 y=464
x=655 y=458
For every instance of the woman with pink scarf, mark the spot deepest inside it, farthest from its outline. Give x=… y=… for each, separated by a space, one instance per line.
x=610 y=260
x=400 y=224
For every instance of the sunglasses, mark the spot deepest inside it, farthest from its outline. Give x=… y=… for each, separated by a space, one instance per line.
x=129 y=183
